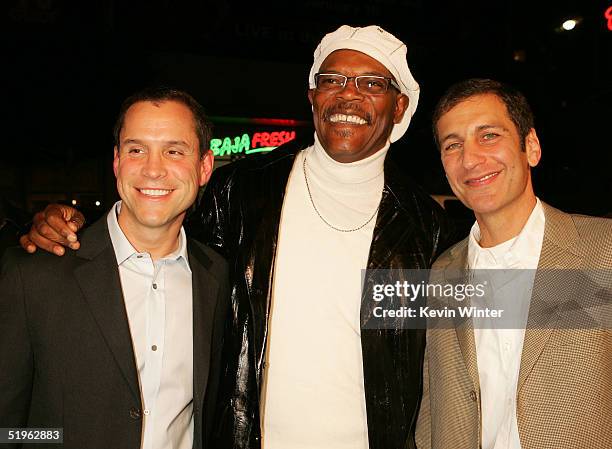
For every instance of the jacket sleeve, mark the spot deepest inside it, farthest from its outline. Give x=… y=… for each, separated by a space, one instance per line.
x=16 y=358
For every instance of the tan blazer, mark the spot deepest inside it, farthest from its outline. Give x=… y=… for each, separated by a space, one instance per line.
x=564 y=395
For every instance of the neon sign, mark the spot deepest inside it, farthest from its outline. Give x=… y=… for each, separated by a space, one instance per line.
x=257 y=143
x=608 y=15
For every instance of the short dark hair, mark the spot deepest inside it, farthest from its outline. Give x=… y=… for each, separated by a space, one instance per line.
x=161 y=94
x=517 y=106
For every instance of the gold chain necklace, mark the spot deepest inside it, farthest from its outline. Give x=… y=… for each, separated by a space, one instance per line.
x=321 y=216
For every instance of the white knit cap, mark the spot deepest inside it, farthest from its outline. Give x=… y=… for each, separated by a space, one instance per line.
x=380 y=45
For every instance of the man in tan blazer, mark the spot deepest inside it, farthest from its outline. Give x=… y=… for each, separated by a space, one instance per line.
x=549 y=384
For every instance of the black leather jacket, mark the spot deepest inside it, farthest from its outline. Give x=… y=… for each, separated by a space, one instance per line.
x=239 y=216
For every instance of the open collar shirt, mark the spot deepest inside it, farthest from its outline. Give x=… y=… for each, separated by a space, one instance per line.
x=158 y=301
x=498 y=350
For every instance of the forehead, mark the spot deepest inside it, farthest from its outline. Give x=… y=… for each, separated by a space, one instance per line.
x=353 y=62
x=476 y=110
x=169 y=117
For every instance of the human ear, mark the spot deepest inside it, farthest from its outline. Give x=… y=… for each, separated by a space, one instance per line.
x=310 y=95
x=206 y=167
x=532 y=148
x=401 y=104
x=116 y=160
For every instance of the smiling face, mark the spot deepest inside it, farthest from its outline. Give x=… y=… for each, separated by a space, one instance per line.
x=351 y=125
x=158 y=167
x=483 y=158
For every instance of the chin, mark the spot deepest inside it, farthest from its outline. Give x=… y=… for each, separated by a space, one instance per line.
x=479 y=201
x=153 y=221
x=347 y=155
x=343 y=156
x=483 y=207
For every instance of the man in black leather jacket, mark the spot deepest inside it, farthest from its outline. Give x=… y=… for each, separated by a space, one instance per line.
x=242 y=212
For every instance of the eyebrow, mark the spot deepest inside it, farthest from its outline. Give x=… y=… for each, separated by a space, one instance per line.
x=483 y=127
x=336 y=72
x=166 y=142
x=478 y=128
x=449 y=136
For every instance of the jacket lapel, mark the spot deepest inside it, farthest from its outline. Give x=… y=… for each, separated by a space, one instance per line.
x=465 y=328
x=98 y=278
x=204 y=288
x=550 y=289
x=465 y=335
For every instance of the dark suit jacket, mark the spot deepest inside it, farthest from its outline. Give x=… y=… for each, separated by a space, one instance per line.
x=66 y=350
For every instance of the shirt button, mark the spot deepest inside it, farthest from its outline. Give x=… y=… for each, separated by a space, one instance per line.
x=473 y=396
x=154 y=286
x=135 y=413
x=154 y=347
x=146 y=412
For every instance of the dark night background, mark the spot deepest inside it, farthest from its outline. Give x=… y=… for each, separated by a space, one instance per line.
x=68 y=65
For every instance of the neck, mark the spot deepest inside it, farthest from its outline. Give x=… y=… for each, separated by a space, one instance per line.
x=346 y=173
x=157 y=241
x=501 y=226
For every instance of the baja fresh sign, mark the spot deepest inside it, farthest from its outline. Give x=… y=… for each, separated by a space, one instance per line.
x=247 y=144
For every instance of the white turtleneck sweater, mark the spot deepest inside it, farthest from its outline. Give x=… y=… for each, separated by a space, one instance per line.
x=314 y=393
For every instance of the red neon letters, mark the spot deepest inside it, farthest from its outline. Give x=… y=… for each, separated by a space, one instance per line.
x=273 y=139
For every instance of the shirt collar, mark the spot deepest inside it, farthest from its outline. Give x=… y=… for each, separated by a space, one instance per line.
x=522 y=251
x=124 y=249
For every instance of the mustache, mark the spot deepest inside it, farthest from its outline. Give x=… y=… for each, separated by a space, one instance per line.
x=347 y=109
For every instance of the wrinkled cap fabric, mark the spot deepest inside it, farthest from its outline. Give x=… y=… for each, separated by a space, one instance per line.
x=380 y=45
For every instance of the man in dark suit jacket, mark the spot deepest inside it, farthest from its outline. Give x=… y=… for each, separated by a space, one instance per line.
x=76 y=332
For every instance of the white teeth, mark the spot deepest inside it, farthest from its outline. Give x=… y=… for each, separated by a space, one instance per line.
x=483 y=179
x=336 y=118
x=155 y=192
x=487 y=177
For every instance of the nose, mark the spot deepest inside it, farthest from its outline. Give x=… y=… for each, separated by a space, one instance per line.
x=472 y=154
x=350 y=91
x=154 y=166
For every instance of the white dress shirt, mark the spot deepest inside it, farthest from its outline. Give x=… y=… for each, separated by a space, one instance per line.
x=498 y=351
x=158 y=301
